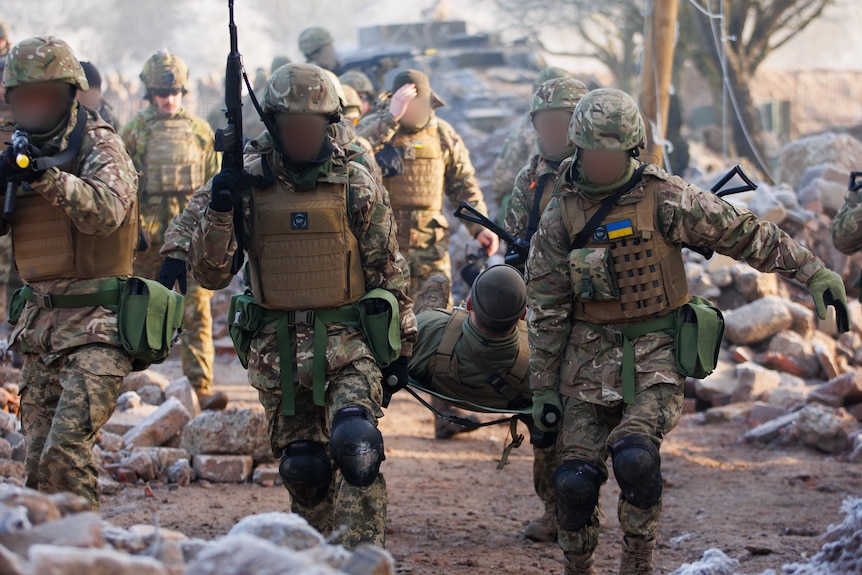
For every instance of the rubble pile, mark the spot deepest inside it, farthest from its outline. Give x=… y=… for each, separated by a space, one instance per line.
x=841 y=553
x=58 y=534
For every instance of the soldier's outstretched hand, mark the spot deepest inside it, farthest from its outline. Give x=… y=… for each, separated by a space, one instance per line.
x=827 y=288
x=489 y=241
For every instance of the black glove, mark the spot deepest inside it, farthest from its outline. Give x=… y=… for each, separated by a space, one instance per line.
x=226 y=188
x=12 y=172
x=143 y=239
x=173 y=271
x=395 y=377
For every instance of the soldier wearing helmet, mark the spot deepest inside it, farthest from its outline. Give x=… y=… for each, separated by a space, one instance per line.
x=74 y=232
x=608 y=297
x=319 y=236
x=318 y=47
x=7 y=126
x=520 y=144
x=423 y=159
x=360 y=82
x=173 y=151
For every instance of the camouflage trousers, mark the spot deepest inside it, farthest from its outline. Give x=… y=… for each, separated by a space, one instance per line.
x=63 y=406
x=357 y=513
x=545 y=463
x=197 y=351
x=589 y=429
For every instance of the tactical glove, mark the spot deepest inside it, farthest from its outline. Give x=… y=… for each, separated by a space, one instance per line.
x=395 y=377
x=173 y=271
x=827 y=288
x=226 y=187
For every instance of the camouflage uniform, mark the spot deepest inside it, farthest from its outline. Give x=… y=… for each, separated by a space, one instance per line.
x=352 y=376
x=165 y=191
x=74 y=361
x=519 y=146
x=583 y=361
x=540 y=173
x=422 y=230
x=7 y=123
x=847 y=225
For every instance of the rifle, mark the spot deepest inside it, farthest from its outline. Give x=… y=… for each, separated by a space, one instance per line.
x=519 y=248
x=376 y=65
x=229 y=140
x=20 y=145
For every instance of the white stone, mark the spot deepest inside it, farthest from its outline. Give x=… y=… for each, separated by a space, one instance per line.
x=757 y=321
x=183 y=390
x=230 y=432
x=282 y=529
x=223 y=468
x=157 y=429
x=53 y=560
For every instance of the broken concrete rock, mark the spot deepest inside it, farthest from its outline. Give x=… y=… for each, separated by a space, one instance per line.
x=243 y=554
x=129 y=400
x=121 y=422
x=824 y=429
x=70 y=561
x=282 y=529
x=152 y=394
x=183 y=391
x=181 y=473
x=757 y=321
x=842 y=390
x=771 y=430
x=138 y=379
x=223 y=468
x=159 y=427
x=229 y=432
x=842 y=151
x=713 y=562
x=753 y=382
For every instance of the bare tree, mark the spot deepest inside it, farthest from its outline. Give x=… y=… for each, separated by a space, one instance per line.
x=744 y=33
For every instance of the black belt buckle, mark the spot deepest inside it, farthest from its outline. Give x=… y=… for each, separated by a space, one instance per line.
x=43 y=300
x=614 y=335
x=301 y=317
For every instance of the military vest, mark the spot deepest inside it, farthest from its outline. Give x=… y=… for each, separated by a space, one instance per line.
x=174 y=162
x=627 y=267
x=303 y=254
x=48 y=246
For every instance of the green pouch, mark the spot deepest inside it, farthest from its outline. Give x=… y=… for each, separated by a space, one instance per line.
x=149 y=320
x=858 y=284
x=244 y=319
x=16 y=306
x=699 y=329
x=592 y=275
x=379 y=320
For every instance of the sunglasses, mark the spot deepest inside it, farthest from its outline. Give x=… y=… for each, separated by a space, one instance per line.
x=165 y=92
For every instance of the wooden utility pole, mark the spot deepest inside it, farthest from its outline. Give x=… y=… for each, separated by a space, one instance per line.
x=657 y=71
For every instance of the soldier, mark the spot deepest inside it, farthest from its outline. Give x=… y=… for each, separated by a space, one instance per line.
x=846 y=228
x=519 y=146
x=553 y=105
x=92 y=98
x=317 y=45
x=360 y=82
x=7 y=126
x=606 y=294
x=434 y=162
x=174 y=152
x=480 y=355
x=315 y=373
x=74 y=231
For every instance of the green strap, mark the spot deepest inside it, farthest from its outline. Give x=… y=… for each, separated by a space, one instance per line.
x=624 y=337
x=106 y=297
x=284 y=342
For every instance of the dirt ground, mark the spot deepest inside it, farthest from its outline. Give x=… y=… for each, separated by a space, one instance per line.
x=452 y=512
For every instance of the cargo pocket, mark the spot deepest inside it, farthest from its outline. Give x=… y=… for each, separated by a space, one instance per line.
x=592 y=275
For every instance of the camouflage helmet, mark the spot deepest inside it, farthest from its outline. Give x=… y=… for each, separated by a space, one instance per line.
x=165 y=70
x=313 y=39
x=607 y=119
x=358 y=81
x=351 y=97
x=301 y=89
x=43 y=59
x=549 y=73
x=4 y=31
x=558 y=94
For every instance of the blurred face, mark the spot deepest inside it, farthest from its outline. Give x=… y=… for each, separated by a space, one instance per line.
x=603 y=167
x=552 y=127
x=90 y=98
x=418 y=111
x=302 y=136
x=367 y=103
x=168 y=100
x=326 y=57
x=38 y=108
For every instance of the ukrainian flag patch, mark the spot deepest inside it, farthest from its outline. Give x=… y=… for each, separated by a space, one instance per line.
x=619 y=229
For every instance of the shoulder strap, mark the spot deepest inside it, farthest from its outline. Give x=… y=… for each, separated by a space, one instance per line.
x=444 y=359
x=536 y=209
x=584 y=235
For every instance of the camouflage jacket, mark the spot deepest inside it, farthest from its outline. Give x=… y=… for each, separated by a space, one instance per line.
x=477 y=359
x=684 y=214
x=213 y=243
x=158 y=211
x=97 y=197
x=461 y=185
x=519 y=146
x=520 y=204
x=847 y=225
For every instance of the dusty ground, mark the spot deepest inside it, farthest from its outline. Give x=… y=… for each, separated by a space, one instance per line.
x=451 y=511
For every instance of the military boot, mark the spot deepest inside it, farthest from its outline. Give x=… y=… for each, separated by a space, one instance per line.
x=579 y=564
x=543 y=529
x=215 y=401
x=637 y=556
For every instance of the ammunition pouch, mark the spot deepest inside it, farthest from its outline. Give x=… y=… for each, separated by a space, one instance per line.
x=699 y=329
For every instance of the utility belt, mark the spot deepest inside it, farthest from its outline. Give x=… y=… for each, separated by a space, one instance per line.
x=697 y=328
x=149 y=315
x=376 y=315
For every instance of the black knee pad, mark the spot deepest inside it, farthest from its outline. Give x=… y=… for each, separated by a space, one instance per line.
x=306 y=472
x=637 y=467
x=356 y=446
x=576 y=485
